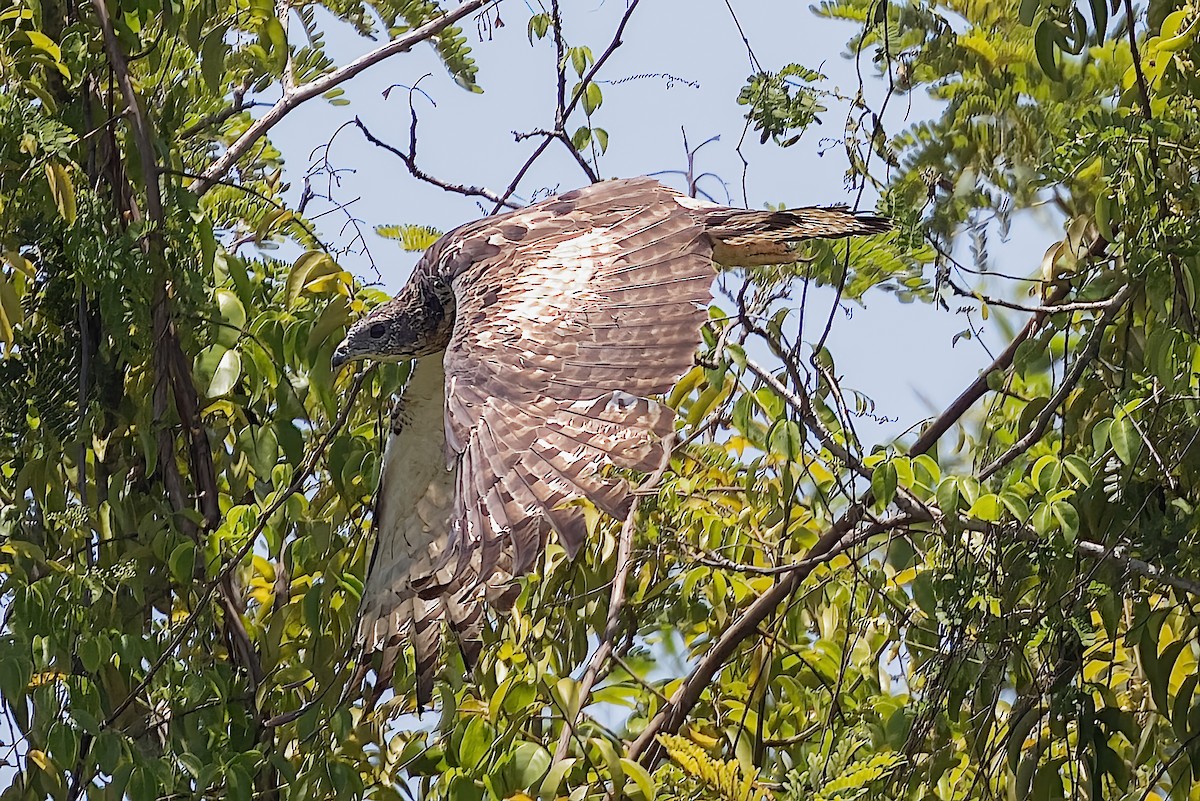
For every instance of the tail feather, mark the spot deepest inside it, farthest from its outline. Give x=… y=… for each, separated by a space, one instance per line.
x=743 y=238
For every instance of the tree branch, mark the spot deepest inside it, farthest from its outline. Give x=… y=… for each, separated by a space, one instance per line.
x=410 y=161
x=294 y=96
x=672 y=714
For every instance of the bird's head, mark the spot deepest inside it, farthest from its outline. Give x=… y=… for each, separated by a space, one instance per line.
x=406 y=327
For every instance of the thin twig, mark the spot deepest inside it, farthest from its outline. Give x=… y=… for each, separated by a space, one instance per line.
x=1068 y=383
x=410 y=161
x=295 y=96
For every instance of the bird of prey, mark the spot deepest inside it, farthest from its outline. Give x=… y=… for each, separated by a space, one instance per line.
x=540 y=337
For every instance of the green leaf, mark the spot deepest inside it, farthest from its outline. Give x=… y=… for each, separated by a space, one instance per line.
x=581 y=58
x=218 y=368
x=1015 y=504
x=1079 y=467
x=106 y=750
x=1027 y=12
x=232 y=316
x=89 y=654
x=548 y=791
x=12 y=314
x=616 y=766
x=883 y=483
x=947 y=496
x=986 y=508
x=275 y=41
x=62 y=190
x=413 y=238
x=182 y=563
x=1043 y=519
x=212 y=59
x=592 y=99
x=1046 y=474
x=41 y=41
x=1068 y=519
x=476 y=742
x=787 y=440
x=332 y=318
x=310 y=274
x=1125 y=440
x=539 y=25
x=581 y=137
x=641 y=778
x=530 y=764
x=1044 y=39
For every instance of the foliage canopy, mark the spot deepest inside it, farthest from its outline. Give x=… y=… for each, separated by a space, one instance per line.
x=997 y=604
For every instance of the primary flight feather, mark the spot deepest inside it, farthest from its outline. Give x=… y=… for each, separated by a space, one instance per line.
x=539 y=336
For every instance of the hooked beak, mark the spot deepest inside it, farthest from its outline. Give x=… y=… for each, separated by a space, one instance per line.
x=341 y=355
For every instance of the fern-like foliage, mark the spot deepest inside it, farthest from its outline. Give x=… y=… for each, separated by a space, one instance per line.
x=783 y=104
x=858 y=777
x=412 y=238
x=722 y=780
x=399 y=16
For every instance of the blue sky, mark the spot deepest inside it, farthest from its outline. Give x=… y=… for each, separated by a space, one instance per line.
x=900 y=355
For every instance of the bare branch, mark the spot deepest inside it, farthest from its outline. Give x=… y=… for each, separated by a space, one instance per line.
x=410 y=161
x=293 y=97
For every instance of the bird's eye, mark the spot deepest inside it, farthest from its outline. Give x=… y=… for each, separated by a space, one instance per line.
x=378 y=330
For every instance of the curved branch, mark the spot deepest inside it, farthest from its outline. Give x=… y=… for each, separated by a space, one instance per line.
x=672 y=714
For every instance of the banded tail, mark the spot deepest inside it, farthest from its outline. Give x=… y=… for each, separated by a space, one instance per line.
x=743 y=238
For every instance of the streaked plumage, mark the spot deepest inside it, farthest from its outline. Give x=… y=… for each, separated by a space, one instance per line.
x=540 y=336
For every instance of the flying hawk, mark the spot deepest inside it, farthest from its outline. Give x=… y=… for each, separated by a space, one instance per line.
x=539 y=336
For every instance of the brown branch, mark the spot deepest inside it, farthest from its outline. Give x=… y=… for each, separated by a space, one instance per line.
x=1139 y=75
x=616 y=604
x=294 y=96
x=672 y=715
x=170 y=364
x=137 y=116
x=410 y=161
x=808 y=563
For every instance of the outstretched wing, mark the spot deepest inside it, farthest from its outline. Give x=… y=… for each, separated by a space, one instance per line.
x=569 y=314
x=590 y=304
